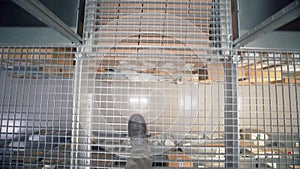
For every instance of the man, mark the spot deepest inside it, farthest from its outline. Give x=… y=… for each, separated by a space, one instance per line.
x=140 y=157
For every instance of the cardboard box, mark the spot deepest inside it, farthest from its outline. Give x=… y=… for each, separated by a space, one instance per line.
x=264 y=75
x=294 y=166
x=253 y=134
x=260 y=143
x=179 y=160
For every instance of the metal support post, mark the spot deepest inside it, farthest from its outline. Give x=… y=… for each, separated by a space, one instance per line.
x=83 y=101
x=231 y=114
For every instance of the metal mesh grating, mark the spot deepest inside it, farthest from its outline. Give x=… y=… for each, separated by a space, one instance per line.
x=164 y=60
x=36 y=93
x=269 y=108
x=206 y=105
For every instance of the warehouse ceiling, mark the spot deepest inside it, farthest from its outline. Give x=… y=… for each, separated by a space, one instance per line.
x=15 y=23
x=17 y=26
x=253 y=13
x=12 y=15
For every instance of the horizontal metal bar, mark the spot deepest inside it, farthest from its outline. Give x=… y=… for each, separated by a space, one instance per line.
x=41 y=12
x=280 y=18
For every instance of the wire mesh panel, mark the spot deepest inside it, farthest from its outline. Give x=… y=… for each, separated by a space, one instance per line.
x=163 y=60
x=36 y=94
x=205 y=105
x=268 y=95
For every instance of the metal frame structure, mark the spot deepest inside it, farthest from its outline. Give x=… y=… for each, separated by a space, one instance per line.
x=231 y=115
x=65 y=106
x=230 y=92
x=95 y=46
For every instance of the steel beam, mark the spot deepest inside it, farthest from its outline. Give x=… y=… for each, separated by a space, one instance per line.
x=280 y=18
x=41 y=12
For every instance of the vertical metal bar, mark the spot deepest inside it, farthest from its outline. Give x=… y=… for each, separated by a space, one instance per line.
x=270 y=107
x=250 y=95
x=263 y=111
x=296 y=90
x=283 y=109
x=3 y=77
x=231 y=115
x=82 y=146
x=75 y=118
x=9 y=107
x=216 y=26
x=230 y=89
x=89 y=18
x=81 y=142
x=291 y=137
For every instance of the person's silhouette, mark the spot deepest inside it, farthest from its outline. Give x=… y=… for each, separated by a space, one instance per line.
x=140 y=157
